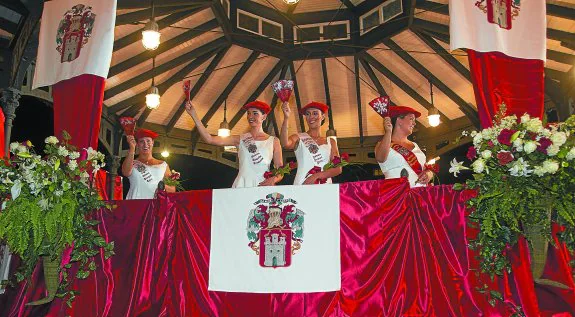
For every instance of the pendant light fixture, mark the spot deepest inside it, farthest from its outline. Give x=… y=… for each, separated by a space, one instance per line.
x=433 y=117
x=224 y=130
x=153 y=96
x=151 y=33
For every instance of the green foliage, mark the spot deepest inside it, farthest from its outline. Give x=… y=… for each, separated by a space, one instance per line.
x=48 y=205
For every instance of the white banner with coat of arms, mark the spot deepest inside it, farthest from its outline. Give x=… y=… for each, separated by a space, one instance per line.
x=76 y=38
x=516 y=28
x=281 y=239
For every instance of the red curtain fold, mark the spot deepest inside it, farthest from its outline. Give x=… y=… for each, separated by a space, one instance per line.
x=498 y=78
x=103 y=182
x=78 y=108
x=404 y=253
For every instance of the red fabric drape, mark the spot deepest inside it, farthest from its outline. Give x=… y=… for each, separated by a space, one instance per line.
x=78 y=109
x=498 y=78
x=103 y=183
x=404 y=253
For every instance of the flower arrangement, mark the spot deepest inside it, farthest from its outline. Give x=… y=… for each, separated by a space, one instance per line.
x=46 y=207
x=281 y=171
x=337 y=161
x=524 y=175
x=174 y=180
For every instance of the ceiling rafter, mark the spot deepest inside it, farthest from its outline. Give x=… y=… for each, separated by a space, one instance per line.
x=182 y=59
x=292 y=72
x=468 y=110
x=164 y=47
x=145 y=14
x=358 y=98
x=139 y=4
x=445 y=55
x=374 y=79
x=266 y=82
x=197 y=86
x=348 y=4
x=401 y=84
x=327 y=94
x=222 y=18
x=224 y=94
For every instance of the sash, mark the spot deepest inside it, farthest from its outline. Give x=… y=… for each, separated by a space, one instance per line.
x=250 y=144
x=143 y=169
x=313 y=148
x=409 y=157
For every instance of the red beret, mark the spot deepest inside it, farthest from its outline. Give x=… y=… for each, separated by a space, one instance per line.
x=314 y=104
x=145 y=133
x=396 y=111
x=260 y=105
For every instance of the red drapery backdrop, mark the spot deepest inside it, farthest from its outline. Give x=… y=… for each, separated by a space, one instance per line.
x=498 y=78
x=404 y=253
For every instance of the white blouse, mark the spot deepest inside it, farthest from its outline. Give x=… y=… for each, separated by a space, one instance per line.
x=395 y=162
x=144 y=179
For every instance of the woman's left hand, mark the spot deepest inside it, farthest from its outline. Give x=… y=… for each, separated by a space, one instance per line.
x=310 y=180
x=269 y=182
x=425 y=177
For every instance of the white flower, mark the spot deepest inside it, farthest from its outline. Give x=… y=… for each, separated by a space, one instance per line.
x=534 y=125
x=539 y=171
x=552 y=150
x=571 y=154
x=58 y=193
x=518 y=144
x=14 y=146
x=558 y=138
x=72 y=165
x=473 y=133
x=486 y=154
x=550 y=166
x=74 y=155
x=16 y=189
x=520 y=168
x=21 y=149
x=464 y=133
x=478 y=166
x=456 y=167
x=525 y=118
x=477 y=139
x=62 y=151
x=530 y=147
x=546 y=133
x=51 y=140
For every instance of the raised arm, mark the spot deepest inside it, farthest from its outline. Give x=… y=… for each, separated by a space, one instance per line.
x=287 y=142
x=206 y=136
x=382 y=147
x=129 y=160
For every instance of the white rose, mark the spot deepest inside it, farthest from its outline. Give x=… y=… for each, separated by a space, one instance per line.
x=477 y=139
x=525 y=118
x=486 y=154
x=62 y=151
x=74 y=155
x=534 y=125
x=478 y=166
x=552 y=150
x=51 y=140
x=559 y=138
x=14 y=146
x=21 y=149
x=72 y=165
x=530 y=147
x=550 y=166
x=539 y=171
x=518 y=144
x=571 y=154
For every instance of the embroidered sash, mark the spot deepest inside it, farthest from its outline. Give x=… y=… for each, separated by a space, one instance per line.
x=313 y=148
x=409 y=157
x=250 y=144
x=143 y=169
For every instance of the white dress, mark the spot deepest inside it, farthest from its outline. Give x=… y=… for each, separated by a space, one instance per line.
x=255 y=158
x=395 y=162
x=309 y=154
x=144 y=179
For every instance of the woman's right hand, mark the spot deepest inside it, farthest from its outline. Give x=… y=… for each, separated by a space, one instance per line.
x=286 y=109
x=387 y=126
x=190 y=108
x=131 y=142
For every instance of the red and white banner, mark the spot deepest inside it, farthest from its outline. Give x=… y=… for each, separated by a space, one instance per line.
x=513 y=27
x=76 y=38
x=282 y=239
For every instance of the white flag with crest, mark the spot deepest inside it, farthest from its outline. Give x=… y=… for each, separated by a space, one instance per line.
x=76 y=38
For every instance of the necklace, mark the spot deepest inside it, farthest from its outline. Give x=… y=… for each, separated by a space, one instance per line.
x=147 y=162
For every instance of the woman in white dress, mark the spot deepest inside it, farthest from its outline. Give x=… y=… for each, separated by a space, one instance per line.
x=144 y=172
x=395 y=152
x=256 y=149
x=311 y=149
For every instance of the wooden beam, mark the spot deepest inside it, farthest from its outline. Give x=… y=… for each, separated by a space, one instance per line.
x=292 y=8
x=266 y=82
x=327 y=94
x=137 y=4
x=411 y=13
x=433 y=7
x=182 y=59
x=560 y=11
x=561 y=57
x=558 y=35
x=358 y=98
x=8 y=26
x=445 y=55
x=164 y=47
x=374 y=78
x=222 y=18
x=177 y=77
x=145 y=14
x=162 y=24
x=224 y=94
x=272 y=117
x=431 y=26
x=468 y=110
x=441 y=37
x=555 y=74
x=348 y=4
x=197 y=86
x=401 y=84
x=296 y=95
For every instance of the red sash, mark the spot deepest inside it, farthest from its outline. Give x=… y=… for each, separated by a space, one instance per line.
x=409 y=157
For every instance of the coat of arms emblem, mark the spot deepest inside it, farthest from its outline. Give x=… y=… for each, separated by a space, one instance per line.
x=500 y=12
x=275 y=230
x=74 y=32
